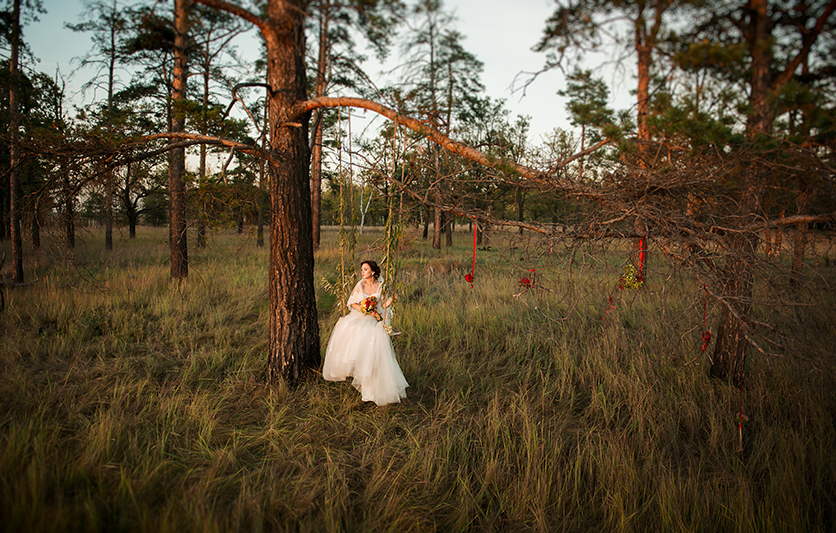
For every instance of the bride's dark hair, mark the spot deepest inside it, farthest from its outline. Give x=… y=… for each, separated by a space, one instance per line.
x=373 y=266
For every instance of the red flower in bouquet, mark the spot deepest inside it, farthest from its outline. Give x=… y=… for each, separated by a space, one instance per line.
x=369 y=305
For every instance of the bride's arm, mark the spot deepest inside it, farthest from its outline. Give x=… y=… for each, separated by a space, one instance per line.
x=355 y=298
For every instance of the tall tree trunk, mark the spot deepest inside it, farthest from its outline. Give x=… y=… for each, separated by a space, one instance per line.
x=4 y=208
x=448 y=217
x=438 y=218
x=260 y=231
x=316 y=185
x=262 y=197
x=294 y=329
x=730 y=350
x=130 y=207
x=177 y=157
x=69 y=212
x=319 y=90
x=132 y=216
x=108 y=205
x=35 y=229
x=799 y=241
x=204 y=129
x=644 y=51
x=201 y=227
x=728 y=360
x=14 y=149
x=111 y=79
x=520 y=197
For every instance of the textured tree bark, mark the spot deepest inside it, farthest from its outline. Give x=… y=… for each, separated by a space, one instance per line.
x=645 y=43
x=729 y=357
x=294 y=329
x=437 y=221
x=178 y=238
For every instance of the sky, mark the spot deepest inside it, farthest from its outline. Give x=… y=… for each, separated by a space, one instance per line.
x=498 y=35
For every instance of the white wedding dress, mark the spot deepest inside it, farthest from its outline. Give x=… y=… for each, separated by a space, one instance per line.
x=360 y=348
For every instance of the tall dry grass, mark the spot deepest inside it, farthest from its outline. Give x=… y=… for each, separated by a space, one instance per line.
x=128 y=402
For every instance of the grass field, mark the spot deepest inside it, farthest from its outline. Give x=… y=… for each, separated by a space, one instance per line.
x=130 y=403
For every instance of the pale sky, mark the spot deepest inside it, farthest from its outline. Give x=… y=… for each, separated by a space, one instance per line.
x=498 y=33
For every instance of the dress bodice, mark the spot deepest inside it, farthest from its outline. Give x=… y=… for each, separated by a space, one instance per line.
x=359 y=293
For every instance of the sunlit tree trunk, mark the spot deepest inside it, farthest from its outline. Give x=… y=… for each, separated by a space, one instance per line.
x=319 y=90
x=645 y=42
x=177 y=157
x=437 y=221
x=294 y=330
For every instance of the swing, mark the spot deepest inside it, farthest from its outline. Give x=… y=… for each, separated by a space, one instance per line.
x=348 y=239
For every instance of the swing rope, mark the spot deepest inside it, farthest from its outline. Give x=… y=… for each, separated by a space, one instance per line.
x=347 y=240
x=393 y=233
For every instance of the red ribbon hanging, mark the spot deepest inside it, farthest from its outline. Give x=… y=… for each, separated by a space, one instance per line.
x=642 y=258
x=469 y=277
x=706 y=335
x=528 y=281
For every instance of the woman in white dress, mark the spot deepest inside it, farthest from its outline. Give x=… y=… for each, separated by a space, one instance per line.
x=361 y=348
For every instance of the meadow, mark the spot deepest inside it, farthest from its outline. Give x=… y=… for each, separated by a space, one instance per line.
x=131 y=403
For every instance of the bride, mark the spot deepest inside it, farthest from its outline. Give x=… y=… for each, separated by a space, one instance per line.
x=360 y=347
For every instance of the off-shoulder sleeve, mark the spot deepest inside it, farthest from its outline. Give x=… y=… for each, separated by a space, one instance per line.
x=356 y=295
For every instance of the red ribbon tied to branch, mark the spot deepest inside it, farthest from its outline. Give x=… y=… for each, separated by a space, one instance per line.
x=469 y=277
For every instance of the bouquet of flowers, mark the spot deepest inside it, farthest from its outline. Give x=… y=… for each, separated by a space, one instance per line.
x=630 y=278
x=369 y=305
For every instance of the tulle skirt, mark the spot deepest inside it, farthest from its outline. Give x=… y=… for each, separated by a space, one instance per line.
x=359 y=348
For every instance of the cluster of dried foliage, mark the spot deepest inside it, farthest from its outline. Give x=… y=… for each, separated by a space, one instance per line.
x=695 y=210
